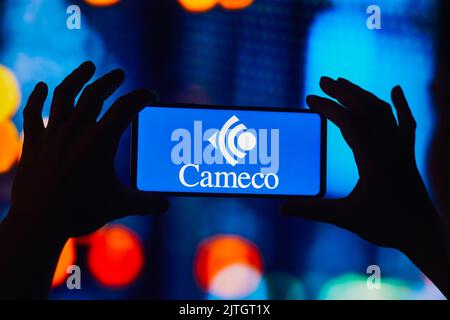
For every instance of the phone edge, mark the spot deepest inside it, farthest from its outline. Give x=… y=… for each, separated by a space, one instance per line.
x=323 y=152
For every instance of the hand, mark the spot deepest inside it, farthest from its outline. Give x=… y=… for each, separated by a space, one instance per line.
x=66 y=183
x=389 y=206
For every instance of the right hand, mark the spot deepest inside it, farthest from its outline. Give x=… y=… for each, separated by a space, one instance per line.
x=389 y=206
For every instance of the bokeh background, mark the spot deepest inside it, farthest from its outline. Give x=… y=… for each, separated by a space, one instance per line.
x=230 y=52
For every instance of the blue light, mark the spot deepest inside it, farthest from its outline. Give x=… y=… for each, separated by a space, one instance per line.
x=397 y=7
x=340 y=45
x=40 y=47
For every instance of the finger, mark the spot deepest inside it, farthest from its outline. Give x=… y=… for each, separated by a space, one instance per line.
x=66 y=92
x=33 y=126
x=335 y=90
x=120 y=114
x=406 y=122
x=330 y=110
x=357 y=99
x=91 y=101
x=135 y=202
x=357 y=91
x=405 y=117
x=366 y=102
x=323 y=210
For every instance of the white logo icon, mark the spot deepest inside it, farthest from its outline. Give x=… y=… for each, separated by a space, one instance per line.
x=246 y=140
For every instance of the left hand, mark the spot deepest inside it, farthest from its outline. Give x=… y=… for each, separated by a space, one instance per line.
x=66 y=182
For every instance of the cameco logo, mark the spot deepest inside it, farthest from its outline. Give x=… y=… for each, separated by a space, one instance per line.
x=246 y=140
x=230 y=147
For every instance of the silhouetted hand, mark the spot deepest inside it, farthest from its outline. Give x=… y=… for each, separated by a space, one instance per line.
x=66 y=178
x=389 y=206
x=66 y=184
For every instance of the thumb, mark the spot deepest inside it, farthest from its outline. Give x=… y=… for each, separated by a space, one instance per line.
x=323 y=210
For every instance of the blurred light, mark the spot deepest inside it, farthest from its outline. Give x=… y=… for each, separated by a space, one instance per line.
x=354 y=287
x=235 y=281
x=283 y=286
x=198 y=5
x=115 y=257
x=67 y=258
x=228 y=266
x=26 y=26
x=206 y=5
x=399 y=7
x=427 y=291
x=10 y=146
x=340 y=45
x=256 y=292
x=235 y=4
x=19 y=151
x=102 y=3
x=9 y=94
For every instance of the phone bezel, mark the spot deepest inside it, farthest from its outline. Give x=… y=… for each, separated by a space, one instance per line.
x=323 y=151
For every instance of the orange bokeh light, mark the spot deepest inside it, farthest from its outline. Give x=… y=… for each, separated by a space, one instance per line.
x=67 y=258
x=10 y=145
x=19 y=151
x=102 y=3
x=9 y=94
x=235 y=4
x=198 y=5
x=115 y=256
x=220 y=252
x=206 y=5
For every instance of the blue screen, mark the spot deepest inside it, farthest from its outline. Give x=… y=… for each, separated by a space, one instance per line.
x=228 y=151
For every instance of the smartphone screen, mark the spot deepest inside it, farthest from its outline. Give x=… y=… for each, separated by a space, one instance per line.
x=211 y=150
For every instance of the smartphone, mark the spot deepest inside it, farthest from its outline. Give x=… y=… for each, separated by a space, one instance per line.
x=182 y=149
